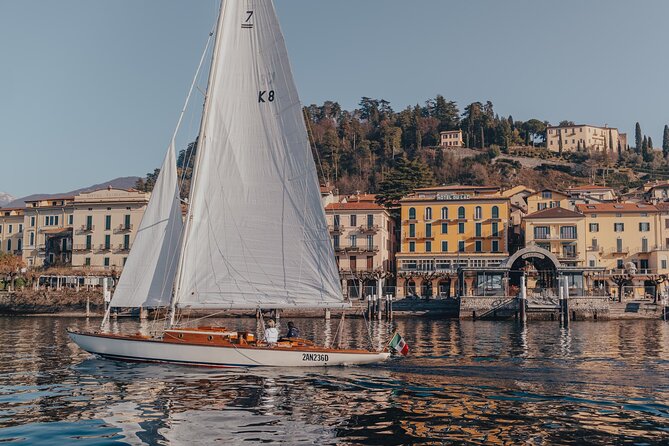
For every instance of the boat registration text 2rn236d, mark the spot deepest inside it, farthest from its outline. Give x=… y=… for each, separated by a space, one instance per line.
x=317 y=357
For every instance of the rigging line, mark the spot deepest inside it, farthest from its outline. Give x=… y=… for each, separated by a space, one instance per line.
x=310 y=134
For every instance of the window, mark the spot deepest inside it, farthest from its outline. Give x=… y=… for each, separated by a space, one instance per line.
x=106 y=261
x=412 y=246
x=444 y=246
x=555 y=204
x=107 y=241
x=592 y=263
x=461 y=228
x=619 y=264
x=479 y=229
x=428 y=229
x=619 y=245
x=461 y=246
x=664 y=264
x=370 y=221
x=87 y=261
x=478 y=213
x=568 y=232
x=32 y=239
x=461 y=212
x=354 y=220
x=495 y=229
x=444 y=228
x=370 y=242
x=547 y=194
x=495 y=212
x=20 y=227
x=32 y=222
x=495 y=246
x=666 y=224
x=335 y=241
x=353 y=240
x=412 y=230
x=644 y=227
x=444 y=214
x=595 y=243
x=354 y=263
x=10 y=229
x=428 y=246
x=0 y=229
x=126 y=242
x=89 y=222
x=644 y=244
x=541 y=206
x=70 y=219
x=478 y=245
x=542 y=232
x=88 y=242
x=412 y=213
x=55 y=218
x=594 y=227
x=370 y=263
x=619 y=227
x=428 y=213
x=9 y=245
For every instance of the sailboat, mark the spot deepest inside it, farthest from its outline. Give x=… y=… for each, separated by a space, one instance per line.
x=255 y=235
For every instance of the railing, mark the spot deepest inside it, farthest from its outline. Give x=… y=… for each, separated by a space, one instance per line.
x=104 y=247
x=555 y=237
x=598 y=249
x=82 y=248
x=123 y=248
x=619 y=250
x=568 y=255
x=356 y=248
x=87 y=228
x=124 y=228
x=369 y=229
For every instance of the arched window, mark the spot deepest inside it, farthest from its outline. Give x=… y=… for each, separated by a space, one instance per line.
x=495 y=212
x=461 y=212
x=444 y=213
x=412 y=213
x=428 y=213
x=478 y=213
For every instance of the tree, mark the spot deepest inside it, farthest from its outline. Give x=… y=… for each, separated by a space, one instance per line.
x=566 y=124
x=638 y=138
x=650 y=144
x=403 y=178
x=10 y=266
x=665 y=142
x=445 y=111
x=536 y=130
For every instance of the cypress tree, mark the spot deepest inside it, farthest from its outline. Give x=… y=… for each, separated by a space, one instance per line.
x=650 y=144
x=637 y=138
x=665 y=142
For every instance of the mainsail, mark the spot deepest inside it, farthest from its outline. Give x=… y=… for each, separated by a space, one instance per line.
x=148 y=275
x=256 y=234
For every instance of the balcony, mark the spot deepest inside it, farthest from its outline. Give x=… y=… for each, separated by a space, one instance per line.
x=82 y=248
x=619 y=250
x=41 y=248
x=597 y=249
x=104 y=248
x=123 y=248
x=335 y=229
x=123 y=228
x=568 y=255
x=86 y=228
x=356 y=248
x=549 y=237
x=369 y=229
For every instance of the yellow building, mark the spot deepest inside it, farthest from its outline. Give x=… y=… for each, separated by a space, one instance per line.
x=620 y=236
x=451 y=139
x=546 y=199
x=559 y=231
x=445 y=228
x=585 y=137
x=11 y=231
x=47 y=237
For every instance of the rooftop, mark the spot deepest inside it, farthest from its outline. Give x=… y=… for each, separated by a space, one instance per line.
x=589 y=187
x=616 y=208
x=556 y=212
x=354 y=206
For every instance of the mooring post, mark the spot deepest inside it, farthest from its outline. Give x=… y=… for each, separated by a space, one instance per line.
x=390 y=307
x=369 y=307
x=143 y=313
x=522 y=301
x=327 y=314
x=565 y=301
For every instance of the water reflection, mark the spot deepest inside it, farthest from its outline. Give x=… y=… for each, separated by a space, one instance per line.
x=464 y=382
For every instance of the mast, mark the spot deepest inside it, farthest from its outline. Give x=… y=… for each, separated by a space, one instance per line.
x=196 y=167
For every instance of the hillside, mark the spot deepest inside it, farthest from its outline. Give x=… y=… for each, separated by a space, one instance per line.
x=116 y=183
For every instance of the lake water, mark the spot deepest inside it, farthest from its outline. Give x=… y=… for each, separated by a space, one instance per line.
x=464 y=382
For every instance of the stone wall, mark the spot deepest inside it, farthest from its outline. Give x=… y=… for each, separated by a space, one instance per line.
x=50 y=302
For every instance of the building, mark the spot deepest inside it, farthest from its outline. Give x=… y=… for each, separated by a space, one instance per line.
x=446 y=228
x=625 y=236
x=11 y=231
x=656 y=192
x=47 y=238
x=451 y=139
x=363 y=237
x=585 y=137
x=590 y=193
x=559 y=231
x=546 y=199
x=104 y=226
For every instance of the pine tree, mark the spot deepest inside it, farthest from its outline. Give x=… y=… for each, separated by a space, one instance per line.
x=403 y=178
x=665 y=142
x=637 y=138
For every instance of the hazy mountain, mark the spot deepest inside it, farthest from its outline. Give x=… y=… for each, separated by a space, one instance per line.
x=116 y=183
x=5 y=198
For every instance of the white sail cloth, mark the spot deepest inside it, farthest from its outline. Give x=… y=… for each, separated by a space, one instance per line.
x=257 y=235
x=148 y=275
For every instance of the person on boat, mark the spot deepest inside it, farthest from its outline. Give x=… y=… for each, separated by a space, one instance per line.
x=293 y=331
x=271 y=333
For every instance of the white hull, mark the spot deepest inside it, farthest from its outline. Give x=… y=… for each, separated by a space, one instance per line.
x=155 y=350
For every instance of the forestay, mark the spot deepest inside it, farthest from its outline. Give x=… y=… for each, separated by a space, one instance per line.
x=148 y=275
x=257 y=235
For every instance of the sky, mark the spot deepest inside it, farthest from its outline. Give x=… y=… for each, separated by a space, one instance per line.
x=92 y=90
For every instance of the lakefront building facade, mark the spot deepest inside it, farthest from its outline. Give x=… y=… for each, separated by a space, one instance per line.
x=447 y=228
x=11 y=231
x=362 y=234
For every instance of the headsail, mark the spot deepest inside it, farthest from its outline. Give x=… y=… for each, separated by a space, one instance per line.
x=148 y=275
x=257 y=235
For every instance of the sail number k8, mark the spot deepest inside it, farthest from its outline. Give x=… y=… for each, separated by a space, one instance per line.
x=266 y=96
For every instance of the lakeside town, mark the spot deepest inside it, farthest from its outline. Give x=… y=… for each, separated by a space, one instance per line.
x=451 y=243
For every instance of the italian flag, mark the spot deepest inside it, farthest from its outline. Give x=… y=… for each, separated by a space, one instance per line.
x=398 y=344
